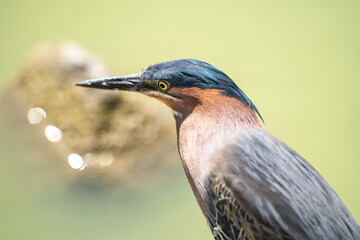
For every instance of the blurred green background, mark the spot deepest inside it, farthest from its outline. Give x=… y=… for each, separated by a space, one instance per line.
x=299 y=62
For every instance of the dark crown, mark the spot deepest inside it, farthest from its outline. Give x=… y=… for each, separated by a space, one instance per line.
x=195 y=73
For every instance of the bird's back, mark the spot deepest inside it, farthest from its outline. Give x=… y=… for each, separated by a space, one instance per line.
x=259 y=188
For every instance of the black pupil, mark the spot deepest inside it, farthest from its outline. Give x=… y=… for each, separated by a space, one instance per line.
x=162 y=85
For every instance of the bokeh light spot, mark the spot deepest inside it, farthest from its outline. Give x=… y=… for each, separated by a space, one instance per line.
x=53 y=133
x=36 y=115
x=76 y=161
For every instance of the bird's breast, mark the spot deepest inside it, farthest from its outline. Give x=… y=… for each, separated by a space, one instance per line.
x=194 y=157
x=205 y=131
x=198 y=142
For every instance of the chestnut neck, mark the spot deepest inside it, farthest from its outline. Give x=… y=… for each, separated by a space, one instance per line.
x=213 y=108
x=206 y=126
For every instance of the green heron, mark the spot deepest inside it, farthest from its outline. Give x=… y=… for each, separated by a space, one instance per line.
x=248 y=184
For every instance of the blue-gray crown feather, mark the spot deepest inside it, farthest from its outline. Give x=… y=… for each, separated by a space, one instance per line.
x=191 y=72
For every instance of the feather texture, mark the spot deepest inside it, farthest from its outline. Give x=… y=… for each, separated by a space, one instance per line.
x=195 y=73
x=271 y=192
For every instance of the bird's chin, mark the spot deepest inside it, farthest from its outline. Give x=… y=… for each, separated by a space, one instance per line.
x=154 y=94
x=161 y=96
x=174 y=103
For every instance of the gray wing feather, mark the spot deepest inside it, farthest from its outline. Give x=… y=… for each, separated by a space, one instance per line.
x=282 y=191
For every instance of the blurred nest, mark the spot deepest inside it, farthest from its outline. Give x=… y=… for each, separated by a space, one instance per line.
x=120 y=137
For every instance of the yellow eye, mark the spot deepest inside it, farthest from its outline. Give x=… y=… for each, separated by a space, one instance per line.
x=163 y=85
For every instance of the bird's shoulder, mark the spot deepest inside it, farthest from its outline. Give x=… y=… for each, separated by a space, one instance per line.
x=281 y=194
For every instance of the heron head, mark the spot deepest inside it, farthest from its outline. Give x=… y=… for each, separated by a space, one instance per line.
x=180 y=84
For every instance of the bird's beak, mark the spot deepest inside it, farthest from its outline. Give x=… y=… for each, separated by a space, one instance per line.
x=128 y=83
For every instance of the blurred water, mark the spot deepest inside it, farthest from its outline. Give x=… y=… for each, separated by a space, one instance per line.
x=42 y=198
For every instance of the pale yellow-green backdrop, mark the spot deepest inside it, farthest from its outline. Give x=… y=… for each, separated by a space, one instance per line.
x=299 y=62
